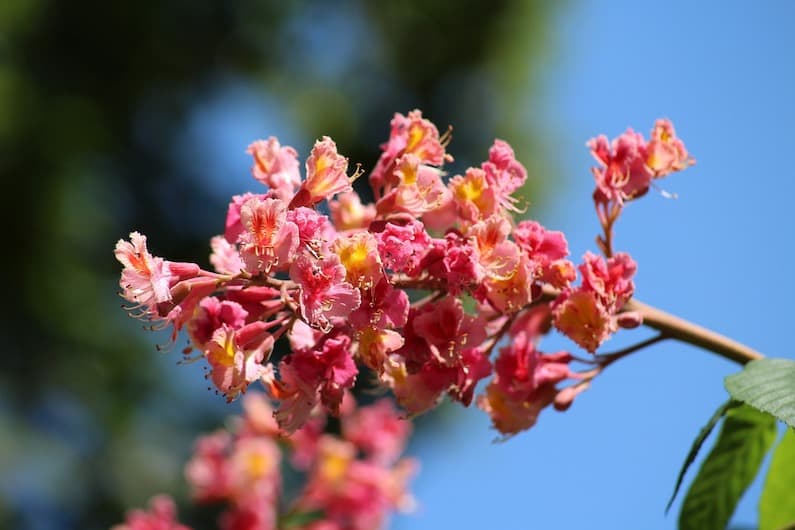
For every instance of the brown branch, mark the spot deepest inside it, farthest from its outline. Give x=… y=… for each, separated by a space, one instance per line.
x=680 y=329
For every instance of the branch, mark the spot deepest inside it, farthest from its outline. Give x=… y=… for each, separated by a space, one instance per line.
x=680 y=329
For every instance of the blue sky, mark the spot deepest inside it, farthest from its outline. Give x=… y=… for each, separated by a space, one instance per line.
x=719 y=255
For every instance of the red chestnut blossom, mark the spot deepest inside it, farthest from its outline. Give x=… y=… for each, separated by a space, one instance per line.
x=623 y=174
x=211 y=314
x=454 y=260
x=269 y=240
x=162 y=516
x=354 y=494
x=236 y=356
x=402 y=245
x=610 y=280
x=311 y=376
x=225 y=258
x=207 y=471
x=315 y=233
x=666 y=153
x=504 y=173
x=326 y=175
x=348 y=212
x=377 y=431
x=509 y=288
x=275 y=166
x=587 y=314
x=358 y=253
x=145 y=279
x=524 y=385
x=383 y=307
x=419 y=189
x=447 y=329
x=325 y=295
x=367 y=283
x=234 y=227
x=410 y=134
x=472 y=195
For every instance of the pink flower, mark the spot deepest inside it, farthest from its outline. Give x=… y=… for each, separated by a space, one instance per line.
x=580 y=316
x=666 y=152
x=269 y=240
x=474 y=367
x=208 y=472
x=161 y=516
x=541 y=245
x=446 y=329
x=234 y=226
x=258 y=416
x=376 y=345
x=211 y=314
x=419 y=390
x=524 y=384
x=382 y=307
x=410 y=134
x=508 y=288
x=325 y=294
x=588 y=314
x=354 y=494
x=402 y=245
x=358 y=253
x=611 y=281
x=325 y=175
x=315 y=233
x=308 y=376
x=225 y=258
x=145 y=279
x=504 y=173
x=254 y=470
x=473 y=196
x=348 y=212
x=275 y=166
x=547 y=250
x=378 y=431
x=623 y=174
x=236 y=356
x=419 y=189
x=460 y=263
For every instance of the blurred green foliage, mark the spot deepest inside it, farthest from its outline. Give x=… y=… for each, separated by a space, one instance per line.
x=97 y=100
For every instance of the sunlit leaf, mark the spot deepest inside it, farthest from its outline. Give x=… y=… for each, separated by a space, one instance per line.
x=769 y=385
x=777 y=505
x=744 y=439
x=697 y=443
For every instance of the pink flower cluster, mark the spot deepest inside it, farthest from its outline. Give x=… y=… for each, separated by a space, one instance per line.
x=418 y=288
x=353 y=481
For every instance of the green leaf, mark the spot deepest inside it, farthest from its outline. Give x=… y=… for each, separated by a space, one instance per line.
x=745 y=437
x=296 y=519
x=777 y=505
x=697 y=443
x=767 y=384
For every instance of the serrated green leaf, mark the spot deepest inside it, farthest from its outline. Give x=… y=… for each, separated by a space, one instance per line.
x=745 y=437
x=697 y=443
x=767 y=384
x=777 y=505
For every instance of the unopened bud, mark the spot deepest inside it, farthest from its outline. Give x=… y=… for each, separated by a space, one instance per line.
x=629 y=320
